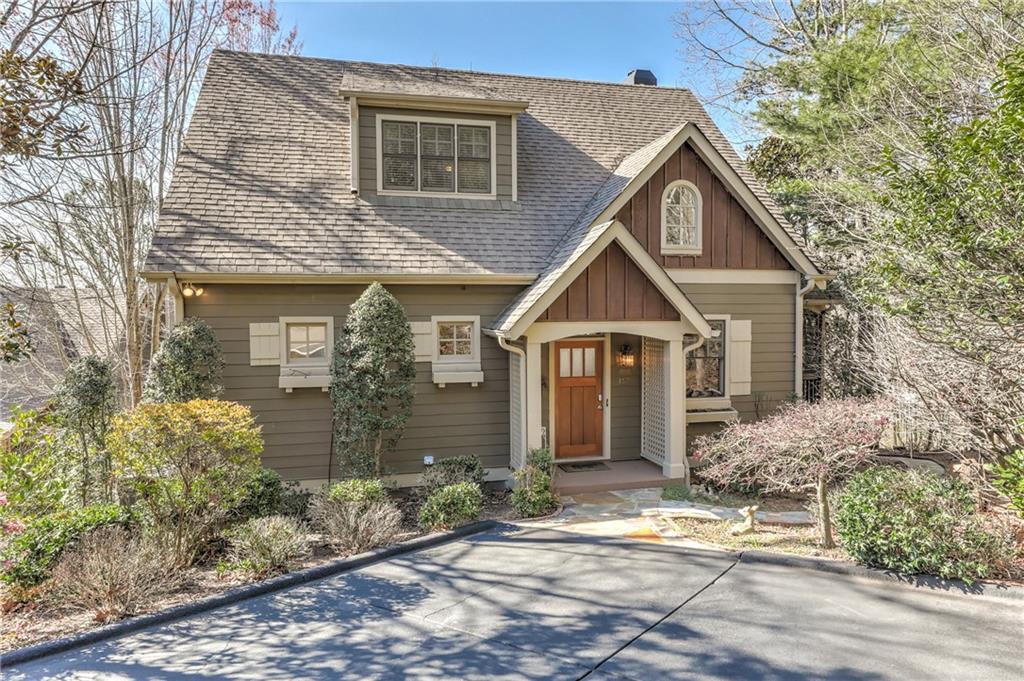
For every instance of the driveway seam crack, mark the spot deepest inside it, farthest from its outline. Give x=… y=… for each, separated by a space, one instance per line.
x=670 y=613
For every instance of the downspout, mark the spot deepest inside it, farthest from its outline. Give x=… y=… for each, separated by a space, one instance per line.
x=523 y=392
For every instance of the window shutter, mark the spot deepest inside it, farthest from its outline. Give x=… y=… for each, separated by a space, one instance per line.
x=423 y=339
x=739 y=356
x=264 y=344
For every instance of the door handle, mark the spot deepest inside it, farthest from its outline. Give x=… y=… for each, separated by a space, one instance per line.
x=600 y=401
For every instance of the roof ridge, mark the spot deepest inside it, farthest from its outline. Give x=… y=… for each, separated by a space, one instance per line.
x=522 y=76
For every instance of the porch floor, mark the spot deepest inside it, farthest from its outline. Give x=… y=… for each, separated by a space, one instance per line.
x=633 y=474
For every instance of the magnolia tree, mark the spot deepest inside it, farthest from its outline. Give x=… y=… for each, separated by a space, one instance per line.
x=85 y=404
x=803 y=447
x=372 y=375
x=188 y=365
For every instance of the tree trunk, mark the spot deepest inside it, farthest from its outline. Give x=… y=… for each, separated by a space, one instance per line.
x=824 y=514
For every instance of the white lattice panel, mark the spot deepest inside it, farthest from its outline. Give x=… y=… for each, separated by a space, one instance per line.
x=653 y=443
x=515 y=410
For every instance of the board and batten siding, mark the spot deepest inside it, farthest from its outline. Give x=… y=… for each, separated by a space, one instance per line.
x=457 y=419
x=368 y=148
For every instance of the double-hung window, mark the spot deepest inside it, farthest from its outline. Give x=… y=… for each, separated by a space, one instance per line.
x=436 y=156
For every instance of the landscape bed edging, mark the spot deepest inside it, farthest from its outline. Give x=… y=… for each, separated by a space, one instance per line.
x=953 y=587
x=237 y=594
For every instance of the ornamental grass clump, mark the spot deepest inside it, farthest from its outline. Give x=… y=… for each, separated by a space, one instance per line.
x=356 y=515
x=267 y=546
x=451 y=506
x=534 y=495
x=802 y=448
x=917 y=522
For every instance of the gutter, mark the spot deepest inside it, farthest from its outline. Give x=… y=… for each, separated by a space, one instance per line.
x=813 y=280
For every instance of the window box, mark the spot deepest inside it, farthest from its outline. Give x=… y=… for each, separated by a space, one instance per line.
x=726 y=415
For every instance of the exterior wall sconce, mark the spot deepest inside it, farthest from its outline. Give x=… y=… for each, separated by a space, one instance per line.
x=190 y=290
x=626 y=357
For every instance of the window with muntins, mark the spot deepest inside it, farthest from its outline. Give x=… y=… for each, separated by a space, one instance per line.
x=437 y=157
x=705 y=366
x=681 y=218
x=455 y=340
x=307 y=343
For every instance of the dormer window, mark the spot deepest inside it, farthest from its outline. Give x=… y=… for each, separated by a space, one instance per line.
x=435 y=156
x=681 y=219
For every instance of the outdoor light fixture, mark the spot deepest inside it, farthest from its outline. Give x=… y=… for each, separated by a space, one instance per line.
x=626 y=357
x=189 y=290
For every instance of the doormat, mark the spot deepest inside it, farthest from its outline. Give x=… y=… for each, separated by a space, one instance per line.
x=583 y=467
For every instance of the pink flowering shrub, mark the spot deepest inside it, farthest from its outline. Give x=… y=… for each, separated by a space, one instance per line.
x=800 y=448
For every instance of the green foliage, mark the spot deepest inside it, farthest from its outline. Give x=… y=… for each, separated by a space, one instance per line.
x=85 y=402
x=188 y=464
x=917 y=523
x=33 y=477
x=35 y=92
x=356 y=515
x=267 y=494
x=533 y=495
x=1009 y=479
x=188 y=365
x=16 y=342
x=31 y=553
x=372 y=374
x=451 y=506
x=357 y=491
x=450 y=471
x=677 y=493
x=266 y=546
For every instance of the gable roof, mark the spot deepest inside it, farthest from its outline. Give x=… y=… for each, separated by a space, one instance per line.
x=572 y=258
x=261 y=186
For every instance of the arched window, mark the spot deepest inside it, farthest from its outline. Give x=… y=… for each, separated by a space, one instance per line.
x=681 y=219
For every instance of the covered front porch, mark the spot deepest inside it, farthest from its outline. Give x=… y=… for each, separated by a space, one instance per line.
x=600 y=476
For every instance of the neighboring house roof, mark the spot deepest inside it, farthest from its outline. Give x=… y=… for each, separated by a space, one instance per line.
x=571 y=260
x=262 y=184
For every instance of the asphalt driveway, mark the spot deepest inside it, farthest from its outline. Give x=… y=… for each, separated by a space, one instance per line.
x=553 y=605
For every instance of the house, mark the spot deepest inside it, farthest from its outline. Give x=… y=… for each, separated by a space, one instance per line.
x=587 y=266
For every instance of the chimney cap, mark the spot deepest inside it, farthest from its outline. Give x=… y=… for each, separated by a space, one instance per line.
x=641 y=77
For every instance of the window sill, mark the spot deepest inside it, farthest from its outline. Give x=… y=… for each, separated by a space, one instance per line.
x=442 y=378
x=708 y=403
x=682 y=251
x=712 y=416
x=436 y=195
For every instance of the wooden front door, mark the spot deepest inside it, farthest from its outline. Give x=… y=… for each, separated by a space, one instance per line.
x=579 y=397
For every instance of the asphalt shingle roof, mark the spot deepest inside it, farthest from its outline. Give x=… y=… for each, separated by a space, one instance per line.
x=262 y=182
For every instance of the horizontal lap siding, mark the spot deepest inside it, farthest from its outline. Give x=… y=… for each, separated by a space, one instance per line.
x=368 y=145
x=625 y=394
x=457 y=419
x=730 y=237
x=769 y=307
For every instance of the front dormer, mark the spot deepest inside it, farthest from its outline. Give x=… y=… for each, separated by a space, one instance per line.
x=433 y=149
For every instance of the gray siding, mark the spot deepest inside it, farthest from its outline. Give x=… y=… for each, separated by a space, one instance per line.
x=368 y=148
x=457 y=419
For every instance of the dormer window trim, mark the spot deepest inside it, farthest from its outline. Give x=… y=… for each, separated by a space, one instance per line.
x=436 y=120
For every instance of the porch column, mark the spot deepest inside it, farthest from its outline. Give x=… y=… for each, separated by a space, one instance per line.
x=675 y=417
x=533 y=396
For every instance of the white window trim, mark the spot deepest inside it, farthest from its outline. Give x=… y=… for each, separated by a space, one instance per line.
x=380 y=118
x=305 y=374
x=725 y=401
x=675 y=249
x=458 y=369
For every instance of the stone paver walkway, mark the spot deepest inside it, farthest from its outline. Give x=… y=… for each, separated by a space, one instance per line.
x=641 y=514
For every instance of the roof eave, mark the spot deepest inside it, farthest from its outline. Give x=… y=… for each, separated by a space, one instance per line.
x=437 y=102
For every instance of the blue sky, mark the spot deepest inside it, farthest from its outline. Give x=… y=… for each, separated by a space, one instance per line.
x=593 y=41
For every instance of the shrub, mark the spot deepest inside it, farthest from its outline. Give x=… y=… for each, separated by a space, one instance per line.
x=451 y=506
x=267 y=494
x=533 y=495
x=1009 y=479
x=113 y=573
x=355 y=515
x=450 y=471
x=803 y=447
x=188 y=365
x=188 y=464
x=85 y=403
x=917 y=522
x=33 y=473
x=267 y=546
x=31 y=553
x=372 y=373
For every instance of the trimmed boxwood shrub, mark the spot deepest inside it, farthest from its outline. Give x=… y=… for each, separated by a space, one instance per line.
x=266 y=494
x=357 y=491
x=533 y=495
x=451 y=506
x=30 y=555
x=450 y=471
x=917 y=523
